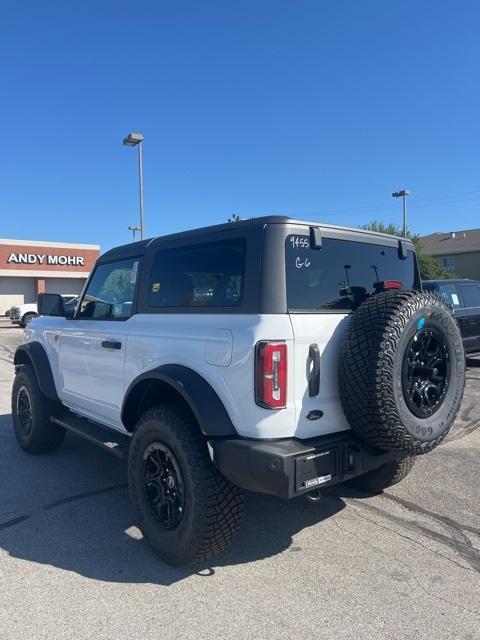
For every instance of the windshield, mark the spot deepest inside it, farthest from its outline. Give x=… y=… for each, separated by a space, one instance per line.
x=342 y=273
x=448 y=292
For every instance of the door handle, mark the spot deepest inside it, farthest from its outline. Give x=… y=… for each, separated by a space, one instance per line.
x=111 y=344
x=314 y=379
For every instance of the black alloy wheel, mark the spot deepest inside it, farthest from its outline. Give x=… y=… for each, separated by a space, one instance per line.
x=186 y=510
x=425 y=372
x=24 y=411
x=163 y=485
x=32 y=413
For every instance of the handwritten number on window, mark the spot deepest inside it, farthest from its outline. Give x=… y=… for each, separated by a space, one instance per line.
x=299 y=263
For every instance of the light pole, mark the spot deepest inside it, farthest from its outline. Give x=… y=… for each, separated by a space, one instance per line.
x=136 y=140
x=403 y=194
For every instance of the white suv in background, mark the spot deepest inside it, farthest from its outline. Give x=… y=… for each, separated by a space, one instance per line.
x=271 y=354
x=23 y=314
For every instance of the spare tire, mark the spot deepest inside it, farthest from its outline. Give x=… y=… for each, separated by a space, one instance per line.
x=402 y=371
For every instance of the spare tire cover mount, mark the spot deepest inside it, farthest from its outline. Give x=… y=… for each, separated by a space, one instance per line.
x=402 y=371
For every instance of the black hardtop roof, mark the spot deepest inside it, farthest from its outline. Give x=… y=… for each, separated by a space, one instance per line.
x=138 y=248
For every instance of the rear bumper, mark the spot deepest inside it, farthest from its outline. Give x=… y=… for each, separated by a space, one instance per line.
x=291 y=467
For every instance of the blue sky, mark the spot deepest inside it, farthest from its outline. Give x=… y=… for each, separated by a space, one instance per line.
x=305 y=108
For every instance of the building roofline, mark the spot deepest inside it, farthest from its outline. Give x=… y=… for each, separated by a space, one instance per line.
x=448 y=252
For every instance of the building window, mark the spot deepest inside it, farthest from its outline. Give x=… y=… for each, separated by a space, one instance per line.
x=448 y=263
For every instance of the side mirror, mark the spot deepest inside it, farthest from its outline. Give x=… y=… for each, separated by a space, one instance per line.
x=70 y=311
x=51 y=304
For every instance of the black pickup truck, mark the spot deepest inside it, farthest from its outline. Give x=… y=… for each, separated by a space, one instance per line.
x=464 y=297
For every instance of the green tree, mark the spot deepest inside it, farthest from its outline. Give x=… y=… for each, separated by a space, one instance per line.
x=430 y=269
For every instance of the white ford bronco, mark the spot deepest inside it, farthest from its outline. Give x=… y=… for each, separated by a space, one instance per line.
x=271 y=355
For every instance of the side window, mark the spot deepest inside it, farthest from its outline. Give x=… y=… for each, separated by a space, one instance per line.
x=470 y=294
x=450 y=294
x=109 y=295
x=202 y=275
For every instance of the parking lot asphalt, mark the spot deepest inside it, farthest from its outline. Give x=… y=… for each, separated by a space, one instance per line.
x=403 y=564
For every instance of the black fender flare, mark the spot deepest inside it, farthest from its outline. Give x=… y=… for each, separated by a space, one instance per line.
x=206 y=406
x=34 y=354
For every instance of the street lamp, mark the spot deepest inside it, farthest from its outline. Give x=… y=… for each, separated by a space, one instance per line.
x=136 y=140
x=133 y=228
x=403 y=194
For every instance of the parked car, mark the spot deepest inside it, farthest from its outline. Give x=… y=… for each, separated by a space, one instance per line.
x=23 y=314
x=272 y=355
x=463 y=296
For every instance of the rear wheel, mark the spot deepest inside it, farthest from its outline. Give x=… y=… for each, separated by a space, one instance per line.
x=31 y=413
x=385 y=476
x=185 y=508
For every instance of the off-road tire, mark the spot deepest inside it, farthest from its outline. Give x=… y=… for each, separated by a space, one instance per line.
x=43 y=436
x=27 y=318
x=213 y=506
x=387 y=475
x=371 y=362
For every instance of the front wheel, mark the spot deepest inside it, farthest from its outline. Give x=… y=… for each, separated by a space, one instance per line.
x=185 y=508
x=31 y=413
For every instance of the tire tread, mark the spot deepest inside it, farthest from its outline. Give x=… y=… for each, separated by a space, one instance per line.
x=218 y=503
x=387 y=475
x=45 y=436
x=366 y=370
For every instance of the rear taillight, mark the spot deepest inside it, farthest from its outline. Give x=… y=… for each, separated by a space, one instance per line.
x=392 y=284
x=388 y=284
x=271 y=375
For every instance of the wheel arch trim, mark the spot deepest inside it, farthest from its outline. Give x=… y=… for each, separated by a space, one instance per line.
x=33 y=353
x=199 y=395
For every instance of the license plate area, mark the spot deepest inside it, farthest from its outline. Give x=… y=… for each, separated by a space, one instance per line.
x=316 y=469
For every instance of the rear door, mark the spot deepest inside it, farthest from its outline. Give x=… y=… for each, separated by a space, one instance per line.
x=470 y=320
x=324 y=286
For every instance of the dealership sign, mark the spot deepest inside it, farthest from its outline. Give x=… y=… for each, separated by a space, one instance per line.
x=45 y=259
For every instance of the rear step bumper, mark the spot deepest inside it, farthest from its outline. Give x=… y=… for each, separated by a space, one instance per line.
x=290 y=467
x=284 y=468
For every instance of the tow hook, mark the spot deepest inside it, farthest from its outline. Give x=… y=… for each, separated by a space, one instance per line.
x=314 y=496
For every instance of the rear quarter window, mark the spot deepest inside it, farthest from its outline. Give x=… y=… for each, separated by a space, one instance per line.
x=341 y=274
x=201 y=275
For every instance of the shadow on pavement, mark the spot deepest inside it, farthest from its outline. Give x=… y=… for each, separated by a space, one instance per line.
x=91 y=532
